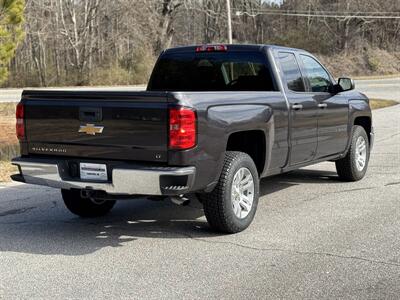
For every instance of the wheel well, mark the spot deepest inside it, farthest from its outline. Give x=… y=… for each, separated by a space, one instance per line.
x=251 y=142
x=364 y=122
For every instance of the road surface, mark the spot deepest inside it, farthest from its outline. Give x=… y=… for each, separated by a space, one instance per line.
x=377 y=88
x=313 y=237
x=388 y=88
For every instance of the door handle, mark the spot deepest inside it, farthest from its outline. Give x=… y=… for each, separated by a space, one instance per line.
x=297 y=106
x=322 y=105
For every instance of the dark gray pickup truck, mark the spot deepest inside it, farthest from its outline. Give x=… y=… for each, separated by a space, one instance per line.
x=213 y=121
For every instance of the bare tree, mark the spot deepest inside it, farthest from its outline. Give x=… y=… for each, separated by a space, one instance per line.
x=71 y=42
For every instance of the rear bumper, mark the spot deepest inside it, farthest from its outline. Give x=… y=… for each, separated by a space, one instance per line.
x=126 y=180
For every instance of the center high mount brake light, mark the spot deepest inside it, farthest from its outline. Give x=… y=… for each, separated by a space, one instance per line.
x=212 y=48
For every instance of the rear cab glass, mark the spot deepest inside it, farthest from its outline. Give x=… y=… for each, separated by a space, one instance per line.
x=212 y=71
x=291 y=71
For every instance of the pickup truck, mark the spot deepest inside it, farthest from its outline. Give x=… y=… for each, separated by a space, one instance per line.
x=213 y=121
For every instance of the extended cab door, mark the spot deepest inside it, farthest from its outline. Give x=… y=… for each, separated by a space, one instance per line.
x=303 y=120
x=332 y=108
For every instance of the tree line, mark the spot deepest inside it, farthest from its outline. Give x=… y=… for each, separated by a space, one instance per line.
x=11 y=32
x=70 y=42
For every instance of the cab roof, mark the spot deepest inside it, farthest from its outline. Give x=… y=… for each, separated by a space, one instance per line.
x=235 y=47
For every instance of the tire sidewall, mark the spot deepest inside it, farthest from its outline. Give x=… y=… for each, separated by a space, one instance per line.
x=244 y=162
x=357 y=132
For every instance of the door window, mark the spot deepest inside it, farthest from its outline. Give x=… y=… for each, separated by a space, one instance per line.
x=291 y=72
x=319 y=79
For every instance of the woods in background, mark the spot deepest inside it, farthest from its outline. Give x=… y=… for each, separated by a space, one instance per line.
x=70 y=42
x=11 y=32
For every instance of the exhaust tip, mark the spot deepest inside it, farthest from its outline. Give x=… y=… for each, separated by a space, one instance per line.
x=180 y=200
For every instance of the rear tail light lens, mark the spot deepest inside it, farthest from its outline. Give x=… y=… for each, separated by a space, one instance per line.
x=20 y=125
x=182 y=128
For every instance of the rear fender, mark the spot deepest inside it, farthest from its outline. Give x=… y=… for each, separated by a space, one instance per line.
x=225 y=120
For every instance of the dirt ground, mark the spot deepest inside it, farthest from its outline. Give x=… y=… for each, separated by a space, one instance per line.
x=7 y=130
x=8 y=140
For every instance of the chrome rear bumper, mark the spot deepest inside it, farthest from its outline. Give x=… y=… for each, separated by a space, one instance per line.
x=124 y=181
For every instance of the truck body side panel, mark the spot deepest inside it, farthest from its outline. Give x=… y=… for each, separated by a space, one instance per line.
x=222 y=113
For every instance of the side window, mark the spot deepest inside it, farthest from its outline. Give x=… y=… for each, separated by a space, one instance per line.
x=317 y=76
x=291 y=72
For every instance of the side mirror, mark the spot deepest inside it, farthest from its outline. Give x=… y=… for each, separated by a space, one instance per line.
x=346 y=84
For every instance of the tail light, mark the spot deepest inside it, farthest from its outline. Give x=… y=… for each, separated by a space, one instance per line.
x=20 y=125
x=212 y=48
x=182 y=128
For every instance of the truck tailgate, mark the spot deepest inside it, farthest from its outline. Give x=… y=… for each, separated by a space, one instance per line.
x=99 y=125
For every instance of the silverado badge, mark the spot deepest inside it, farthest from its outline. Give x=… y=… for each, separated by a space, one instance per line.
x=91 y=129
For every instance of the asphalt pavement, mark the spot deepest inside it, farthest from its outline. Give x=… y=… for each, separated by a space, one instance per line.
x=388 y=88
x=314 y=237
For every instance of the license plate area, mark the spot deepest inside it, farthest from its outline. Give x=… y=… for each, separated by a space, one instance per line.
x=94 y=172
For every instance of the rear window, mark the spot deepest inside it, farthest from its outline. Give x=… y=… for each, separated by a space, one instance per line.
x=216 y=71
x=291 y=69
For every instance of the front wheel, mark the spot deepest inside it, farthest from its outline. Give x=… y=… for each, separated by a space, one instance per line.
x=354 y=165
x=85 y=207
x=231 y=206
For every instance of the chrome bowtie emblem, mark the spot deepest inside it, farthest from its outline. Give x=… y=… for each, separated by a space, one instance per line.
x=91 y=129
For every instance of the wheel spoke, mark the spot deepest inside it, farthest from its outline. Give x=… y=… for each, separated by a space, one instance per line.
x=246 y=203
x=246 y=207
x=361 y=153
x=247 y=186
x=241 y=174
x=236 y=180
x=242 y=193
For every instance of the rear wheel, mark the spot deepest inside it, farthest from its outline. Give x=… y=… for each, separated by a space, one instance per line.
x=231 y=206
x=85 y=207
x=354 y=165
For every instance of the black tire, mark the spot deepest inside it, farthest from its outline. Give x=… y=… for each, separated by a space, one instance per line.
x=85 y=207
x=347 y=166
x=218 y=206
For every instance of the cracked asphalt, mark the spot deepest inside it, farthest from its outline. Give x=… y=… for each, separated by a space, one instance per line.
x=313 y=237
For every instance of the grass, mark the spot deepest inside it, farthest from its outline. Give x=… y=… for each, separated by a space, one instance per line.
x=9 y=146
x=8 y=151
x=6 y=169
x=7 y=109
x=381 y=103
